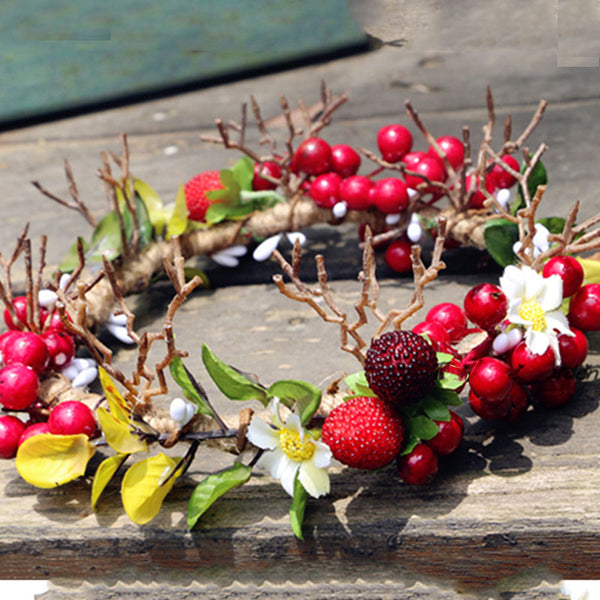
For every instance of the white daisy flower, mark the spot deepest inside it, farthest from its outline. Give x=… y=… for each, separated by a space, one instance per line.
x=534 y=303
x=291 y=450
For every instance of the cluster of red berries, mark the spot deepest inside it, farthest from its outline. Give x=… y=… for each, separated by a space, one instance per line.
x=26 y=357
x=368 y=432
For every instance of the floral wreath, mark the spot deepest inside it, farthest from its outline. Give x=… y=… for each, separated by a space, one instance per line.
x=512 y=346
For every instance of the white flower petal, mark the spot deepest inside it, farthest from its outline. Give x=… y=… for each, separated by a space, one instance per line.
x=262 y=435
x=314 y=480
x=294 y=236
x=264 y=250
x=322 y=456
x=551 y=296
x=537 y=341
x=557 y=320
x=225 y=260
x=287 y=474
x=272 y=461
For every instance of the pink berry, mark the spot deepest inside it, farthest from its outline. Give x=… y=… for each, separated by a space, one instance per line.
x=394 y=141
x=313 y=156
x=11 y=429
x=354 y=191
x=489 y=411
x=449 y=436
x=27 y=348
x=325 y=190
x=453 y=148
x=72 y=417
x=491 y=379
x=584 y=308
x=32 y=430
x=451 y=316
x=390 y=195
x=19 y=386
x=267 y=168
x=529 y=367
x=61 y=348
x=398 y=256
x=503 y=179
x=555 y=390
x=573 y=348
x=346 y=160
x=429 y=167
x=420 y=466
x=485 y=305
x=568 y=269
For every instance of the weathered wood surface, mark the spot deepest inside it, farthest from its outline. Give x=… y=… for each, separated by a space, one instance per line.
x=516 y=508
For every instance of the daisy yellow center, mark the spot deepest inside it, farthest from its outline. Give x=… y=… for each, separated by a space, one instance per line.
x=294 y=447
x=532 y=311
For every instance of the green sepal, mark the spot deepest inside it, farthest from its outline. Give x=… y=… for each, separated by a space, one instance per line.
x=357 y=382
x=297 y=508
x=231 y=382
x=422 y=427
x=191 y=389
x=410 y=441
x=305 y=396
x=435 y=409
x=212 y=488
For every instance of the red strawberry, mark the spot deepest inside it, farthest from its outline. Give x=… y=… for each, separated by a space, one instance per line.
x=401 y=367
x=364 y=433
x=195 y=193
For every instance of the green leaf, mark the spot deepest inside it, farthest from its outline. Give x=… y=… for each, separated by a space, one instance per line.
x=105 y=472
x=552 y=224
x=71 y=260
x=423 y=427
x=153 y=204
x=243 y=171
x=450 y=381
x=306 y=396
x=357 y=382
x=232 y=383
x=297 y=508
x=410 y=442
x=500 y=235
x=144 y=224
x=106 y=240
x=190 y=387
x=178 y=221
x=538 y=176
x=216 y=213
x=212 y=488
x=447 y=396
x=435 y=409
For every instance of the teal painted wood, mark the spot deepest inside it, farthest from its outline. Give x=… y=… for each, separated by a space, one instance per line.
x=64 y=54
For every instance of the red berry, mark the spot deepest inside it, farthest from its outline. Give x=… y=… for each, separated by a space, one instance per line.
x=568 y=269
x=4 y=337
x=20 y=307
x=401 y=367
x=313 y=157
x=453 y=148
x=519 y=401
x=398 y=256
x=266 y=168
x=555 y=390
x=32 y=430
x=449 y=435
x=491 y=379
x=573 y=348
x=584 y=308
x=72 y=417
x=485 y=305
x=354 y=191
x=325 y=190
x=346 y=160
x=19 y=386
x=489 y=411
x=364 y=433
x=389 y=195
x=477 y=198
x=529 y=367
x=394 y=141
x=412 y=159
x=436 y=332
x=429 y=167
x=11 y=429
x=503 y=179
x=61 y=348
x=195 y=193
x=26 y=348
x=420 y=466
x=451 y=316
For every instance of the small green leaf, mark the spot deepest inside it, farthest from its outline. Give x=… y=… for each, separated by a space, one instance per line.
x=500 y=236
x=106 y=240
x=233 y=384
x=153 y=204
x=450 y=381
x=409 y=443
x=423 y=427
x=212 y=488
x=178 y=221
x=190 y=387
x=297 y=508
x=357 y=382
x=144 y=224
x=435 y=409
x=447 y=396
x=243 y=171
x=538 y=176
x=553 y=224
x=71 y=260
x=216 y=213
x=306 y=396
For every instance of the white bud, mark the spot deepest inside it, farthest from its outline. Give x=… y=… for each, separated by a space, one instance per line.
x=339 y=210
x=85 y=377
x=70 y=371
x=120 y=319
x=225 y=260
x=514 y=337
x=414 y=231
x=392 y=219
x=181 y=411
x=411 y=193
x=238 y=250
x=47 y=298
x=296 y=235
x=264 y=250
x=120 y=333
x=503 y=198
x=501 y=344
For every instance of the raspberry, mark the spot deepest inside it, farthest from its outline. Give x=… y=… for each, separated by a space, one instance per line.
x=195 y=193
x=401 y=367
x=364 y=433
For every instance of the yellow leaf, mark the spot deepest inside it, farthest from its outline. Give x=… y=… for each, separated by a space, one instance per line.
x=118 y=433
x=47 y=460
x=178 y=221
x=141 y=490
x=153 y=203
x=118 y=406
x=108 y=467
x=591 y=270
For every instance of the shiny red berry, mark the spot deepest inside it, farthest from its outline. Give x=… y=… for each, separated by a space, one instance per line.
x=451 y=316
x=325 y=190
x=555 y=390
x=477 y=198
x=346 y=160
x=485 y=305
x=491 y=379
x=573 y=348
x=568 y=269
x=431 y=168
x=449 y=435
x=436 y=332
x=11 y=429
x=72 y=417
x=453 y=148
x=502 y=178
x=19 y=386
x=313 y=157
x=270 y=168
x=390 y=195
x=27 y=348
x=354 y=191
x=584 y=308
x=20 y=307
x=529 y=367
x=394 y=141
x=398 y=256
x=32 y=430
x=61 y=348
x=489 y=411
x=420 y=466
x=519 y=401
